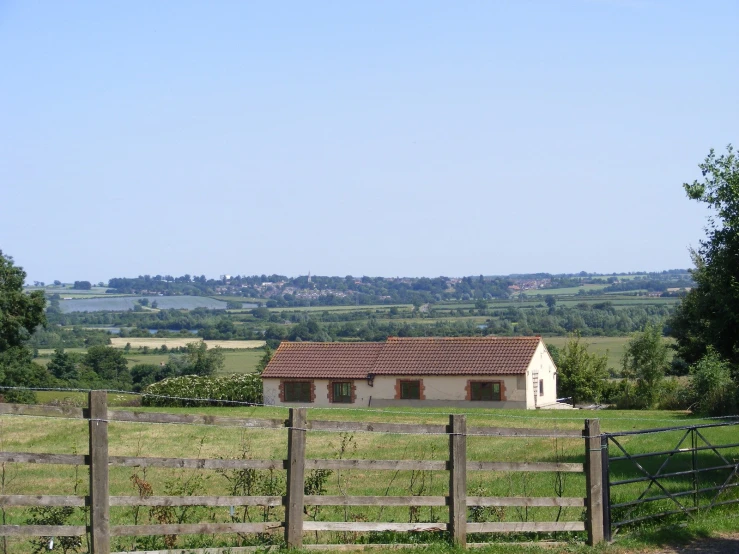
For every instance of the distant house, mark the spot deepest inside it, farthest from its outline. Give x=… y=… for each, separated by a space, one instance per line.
x=484 y=372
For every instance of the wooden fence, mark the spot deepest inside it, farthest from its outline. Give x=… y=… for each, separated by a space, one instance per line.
x=100 y=501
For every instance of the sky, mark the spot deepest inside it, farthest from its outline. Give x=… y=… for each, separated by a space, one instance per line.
x=382 y=138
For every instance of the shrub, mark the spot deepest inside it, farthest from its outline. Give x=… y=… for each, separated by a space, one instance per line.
x=193 y=390
x=713 y=387
x=675 y=395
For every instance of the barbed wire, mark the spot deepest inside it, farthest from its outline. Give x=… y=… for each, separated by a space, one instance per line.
x=365 y=410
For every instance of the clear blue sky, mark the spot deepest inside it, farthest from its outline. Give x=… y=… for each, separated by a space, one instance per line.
x=367 y=138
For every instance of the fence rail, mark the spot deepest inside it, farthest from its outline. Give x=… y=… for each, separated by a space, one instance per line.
x=294 y=526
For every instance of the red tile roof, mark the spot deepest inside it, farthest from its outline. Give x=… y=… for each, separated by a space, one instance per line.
x=403 y=356
x=352 y=360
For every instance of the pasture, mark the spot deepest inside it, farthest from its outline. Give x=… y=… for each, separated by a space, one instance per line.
x=28 y=434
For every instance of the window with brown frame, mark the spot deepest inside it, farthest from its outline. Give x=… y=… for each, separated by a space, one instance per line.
x=485 y=391
x=541 y=387
x=341 y=392
x=297 y=391
x=410 y=390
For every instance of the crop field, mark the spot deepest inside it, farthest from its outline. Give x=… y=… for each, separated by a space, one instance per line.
x=27 y=434
x=118 y=342
x=125 y=303
x=566 y=291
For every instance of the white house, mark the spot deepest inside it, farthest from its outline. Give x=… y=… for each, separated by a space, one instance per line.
x=484 y=372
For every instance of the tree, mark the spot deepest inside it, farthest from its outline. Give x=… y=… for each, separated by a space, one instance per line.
x=197 y=360
x=713 y=388
x=20 y=313
x=262 y=365
x=645 y=359
x=82 y=285
x=109 y=364
x=551 y=302
x=709 y=313
x=62 y=366
x=580 y=374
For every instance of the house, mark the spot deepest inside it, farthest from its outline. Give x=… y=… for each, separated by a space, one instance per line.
x=464 y=372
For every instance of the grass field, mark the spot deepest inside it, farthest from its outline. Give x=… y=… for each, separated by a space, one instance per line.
x=180 y=342
x=238 y=361
x=27 y=434
x=613 y=346
x=241 y=361
x=565 y=291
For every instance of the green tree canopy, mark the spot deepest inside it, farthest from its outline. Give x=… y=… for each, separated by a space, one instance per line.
x=109 y=364
x=20 y=313
x=580 y=374
x=709 y=314
x=645 y=359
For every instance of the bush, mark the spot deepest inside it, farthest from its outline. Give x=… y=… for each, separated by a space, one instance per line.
x=714 y=389
x=675 y=395
x=15 y=396
x=193 y=390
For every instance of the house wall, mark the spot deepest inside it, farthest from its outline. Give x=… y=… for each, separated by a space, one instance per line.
x=442 y=391
x=542 y=363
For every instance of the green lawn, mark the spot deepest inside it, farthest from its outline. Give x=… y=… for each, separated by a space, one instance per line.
x=192 y=441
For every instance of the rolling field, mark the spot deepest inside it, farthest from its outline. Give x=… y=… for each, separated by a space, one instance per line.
x=125 y=303
x=567 y=291
x=239 y=361
x=118 y=342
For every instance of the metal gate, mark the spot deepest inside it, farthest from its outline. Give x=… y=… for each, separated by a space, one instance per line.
x=695 y=474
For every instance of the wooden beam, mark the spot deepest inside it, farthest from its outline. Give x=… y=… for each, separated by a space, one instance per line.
x=458 y=480
x=360 y=527
x=593 y=481
x=524 y=466
x=295 y=478
x=100 y=508
x=319 y=425
x=42 y=530
x=555 y=501
x=195 y=463
x=526 y=527
x=226 y=501
x=194 y=419
x=377 y=464
x=33 y=458
x=321 y=500
x=9 y=500
x=191 y=529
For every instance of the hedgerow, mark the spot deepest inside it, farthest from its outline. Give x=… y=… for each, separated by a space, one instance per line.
x=193 y=390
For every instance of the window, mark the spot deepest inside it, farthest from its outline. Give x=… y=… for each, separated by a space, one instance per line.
x=341 y=393
x=298 y=391
x=541 y=387
x=485 y=390
x=410 y=390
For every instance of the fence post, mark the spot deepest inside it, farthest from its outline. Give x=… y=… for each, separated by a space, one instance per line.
x=295 y=478
x=694 y=464
x=99 y=500
x=594 y=481
x=458 y=480
x=605 y=464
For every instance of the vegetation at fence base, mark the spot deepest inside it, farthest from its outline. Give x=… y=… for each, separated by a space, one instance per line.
x=194 y=390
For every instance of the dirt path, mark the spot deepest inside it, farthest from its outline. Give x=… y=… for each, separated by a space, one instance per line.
x=722 y=544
